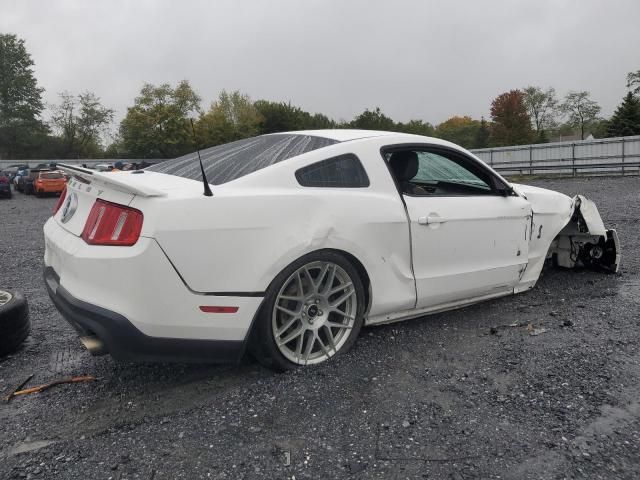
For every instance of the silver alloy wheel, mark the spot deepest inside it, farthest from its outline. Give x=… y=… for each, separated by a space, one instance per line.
x=5 y=297
x=314 y=313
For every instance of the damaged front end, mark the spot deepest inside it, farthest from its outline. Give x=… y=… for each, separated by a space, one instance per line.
x=584 y=241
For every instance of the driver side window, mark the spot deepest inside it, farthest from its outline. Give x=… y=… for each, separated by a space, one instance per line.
x=424 y=172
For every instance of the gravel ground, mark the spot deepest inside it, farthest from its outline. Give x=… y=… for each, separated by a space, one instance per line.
x=445 y=396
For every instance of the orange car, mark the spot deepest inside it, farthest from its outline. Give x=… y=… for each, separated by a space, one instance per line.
x=49 y=182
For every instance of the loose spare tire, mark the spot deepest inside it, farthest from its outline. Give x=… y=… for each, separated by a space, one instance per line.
x=14 y=321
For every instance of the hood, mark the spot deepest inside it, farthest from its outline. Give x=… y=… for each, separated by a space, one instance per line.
x=545 y=201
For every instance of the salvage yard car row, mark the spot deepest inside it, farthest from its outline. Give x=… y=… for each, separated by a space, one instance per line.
x=40 y=181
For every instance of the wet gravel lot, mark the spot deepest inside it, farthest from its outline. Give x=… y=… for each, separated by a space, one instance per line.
x=451 y=396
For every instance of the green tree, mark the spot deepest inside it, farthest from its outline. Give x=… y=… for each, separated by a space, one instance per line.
x=626 y=119
x=21 y=130
x=482 y=135
x=281 y=117
x=580 y=110
x=511 y=122
x=633 y=82
x=542 y=106
x=373 y=120
x=232 y=117
x=157 y=125
x=80 y=121
x=319 y=121
x=416 y=127
x=459 y=130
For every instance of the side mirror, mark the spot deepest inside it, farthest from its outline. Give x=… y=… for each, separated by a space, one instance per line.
x=506 y=191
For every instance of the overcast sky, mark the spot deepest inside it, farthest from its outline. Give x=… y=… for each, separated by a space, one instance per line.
x=426 y=60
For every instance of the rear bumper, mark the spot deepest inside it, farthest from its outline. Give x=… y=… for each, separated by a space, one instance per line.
x=133 y=300
x=125 y=342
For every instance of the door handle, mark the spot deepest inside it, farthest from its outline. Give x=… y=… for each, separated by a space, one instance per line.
x=431 y=220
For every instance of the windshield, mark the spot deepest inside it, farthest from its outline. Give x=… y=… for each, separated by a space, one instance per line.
x=230 y=161
x=51 y=175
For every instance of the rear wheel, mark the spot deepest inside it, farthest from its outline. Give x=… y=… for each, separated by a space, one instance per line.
x=313 y=311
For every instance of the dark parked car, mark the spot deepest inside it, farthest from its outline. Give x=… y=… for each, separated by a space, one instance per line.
x=5 y=185
x=12 y=170
x=18 y=180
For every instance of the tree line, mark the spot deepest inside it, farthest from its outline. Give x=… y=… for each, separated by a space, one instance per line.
x=166 y=121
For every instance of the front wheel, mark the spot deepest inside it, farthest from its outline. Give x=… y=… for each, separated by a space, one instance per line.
x=313 y=311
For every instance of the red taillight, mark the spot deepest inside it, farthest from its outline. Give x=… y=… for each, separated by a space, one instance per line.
x=63 y=194
x=112 y=224
x=4 y=179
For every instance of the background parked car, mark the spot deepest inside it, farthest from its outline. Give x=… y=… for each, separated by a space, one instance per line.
x=12 y=170
x=103 y=167
x=5 y=185
x=27 y=182
x=49 y=182
x=18 y=180
x=17 y=185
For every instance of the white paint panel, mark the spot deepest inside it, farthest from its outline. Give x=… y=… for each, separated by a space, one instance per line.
x=480 y=247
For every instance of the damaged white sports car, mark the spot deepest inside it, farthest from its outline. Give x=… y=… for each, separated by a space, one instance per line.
x=286 y=244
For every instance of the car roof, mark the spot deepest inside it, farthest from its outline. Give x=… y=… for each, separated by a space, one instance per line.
x=347 y=134
x=339 y=134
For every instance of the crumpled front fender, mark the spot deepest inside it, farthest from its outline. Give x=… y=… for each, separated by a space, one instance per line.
x=585 y=241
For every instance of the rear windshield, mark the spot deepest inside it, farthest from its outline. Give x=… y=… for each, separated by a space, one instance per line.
x=51 y=176
x=230 y=161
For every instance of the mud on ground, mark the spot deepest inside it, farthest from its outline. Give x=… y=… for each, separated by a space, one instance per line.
x=440 y=397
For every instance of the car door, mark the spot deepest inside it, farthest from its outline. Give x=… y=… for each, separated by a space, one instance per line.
x=469 y=230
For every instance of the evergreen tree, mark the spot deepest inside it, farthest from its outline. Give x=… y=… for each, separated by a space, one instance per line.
x=482 y=135
x=626 y=119
x=373 y=120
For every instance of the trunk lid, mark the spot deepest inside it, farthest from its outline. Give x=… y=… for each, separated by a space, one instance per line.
x=86 y=186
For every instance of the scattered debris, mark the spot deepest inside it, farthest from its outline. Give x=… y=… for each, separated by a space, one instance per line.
x=8 y=398
x=46 y=386
x=537 y=331
x=494 y=330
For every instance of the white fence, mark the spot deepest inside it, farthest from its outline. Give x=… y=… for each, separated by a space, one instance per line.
x=619 y=155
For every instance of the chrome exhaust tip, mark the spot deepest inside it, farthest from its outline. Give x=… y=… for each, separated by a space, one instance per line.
x=95 y=346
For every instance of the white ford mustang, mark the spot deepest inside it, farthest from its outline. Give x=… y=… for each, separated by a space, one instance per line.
x=306 y=237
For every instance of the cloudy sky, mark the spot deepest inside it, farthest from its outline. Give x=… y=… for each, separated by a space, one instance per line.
x=427 y=60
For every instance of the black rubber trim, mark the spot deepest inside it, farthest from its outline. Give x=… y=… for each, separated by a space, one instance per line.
x=125 y=342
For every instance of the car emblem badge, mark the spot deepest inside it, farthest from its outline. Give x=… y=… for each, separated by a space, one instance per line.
x=69 y=207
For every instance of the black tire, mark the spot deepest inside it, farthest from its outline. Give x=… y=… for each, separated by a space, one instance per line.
x=262 y=344
x=14 y=321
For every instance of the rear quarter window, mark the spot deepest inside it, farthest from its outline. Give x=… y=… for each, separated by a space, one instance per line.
x=230 y=161
x=343 y=171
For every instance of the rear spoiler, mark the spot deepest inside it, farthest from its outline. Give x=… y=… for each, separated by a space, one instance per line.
x=124 y=183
